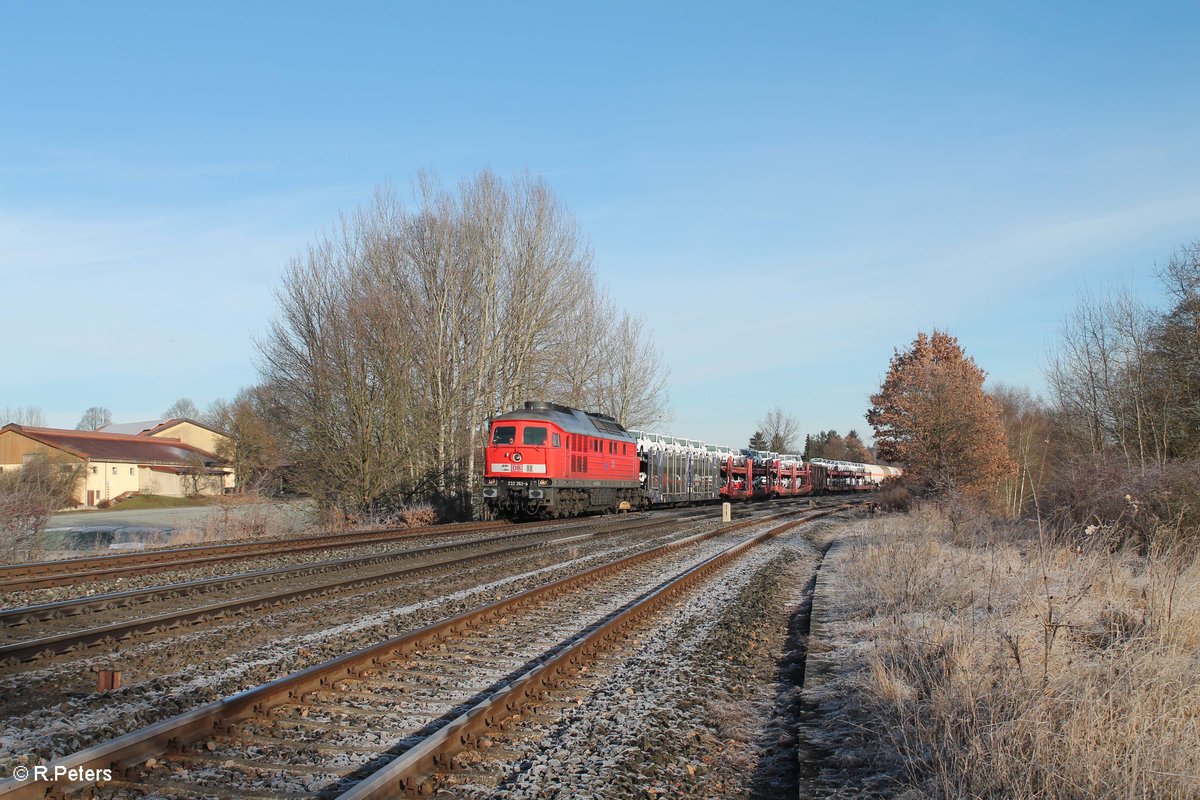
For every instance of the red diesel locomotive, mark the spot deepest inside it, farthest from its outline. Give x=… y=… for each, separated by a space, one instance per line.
x=554 y=461
x=549 y=460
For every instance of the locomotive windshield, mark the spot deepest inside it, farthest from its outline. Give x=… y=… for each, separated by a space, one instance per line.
x=504 y=434
x=533 y=436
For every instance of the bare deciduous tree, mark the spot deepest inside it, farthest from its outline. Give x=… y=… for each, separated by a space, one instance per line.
x=183 y=408
x=780 y=430
x=404 y=330
x=337 y=357
x=1029 y=430
x=252 y=447
x=632 y=378
x=1176 y=342
x=1102 y=379
x=94 y=419
x=29 y=416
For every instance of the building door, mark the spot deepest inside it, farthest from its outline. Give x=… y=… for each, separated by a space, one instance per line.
x=91 y=500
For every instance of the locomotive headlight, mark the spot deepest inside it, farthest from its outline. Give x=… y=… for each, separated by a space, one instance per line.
x=489 y=481
x=543 y=481
x=516 y=457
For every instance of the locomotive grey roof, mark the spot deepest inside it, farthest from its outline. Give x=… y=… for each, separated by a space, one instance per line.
x=569 y=419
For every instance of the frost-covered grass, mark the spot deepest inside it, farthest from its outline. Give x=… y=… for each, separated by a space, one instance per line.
x=139 y=501
x=1000 y=665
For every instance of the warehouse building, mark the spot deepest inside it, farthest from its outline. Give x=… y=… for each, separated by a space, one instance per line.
x=115 y=464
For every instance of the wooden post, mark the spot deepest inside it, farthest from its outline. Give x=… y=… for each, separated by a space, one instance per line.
x=108 y=679
x=726 y=512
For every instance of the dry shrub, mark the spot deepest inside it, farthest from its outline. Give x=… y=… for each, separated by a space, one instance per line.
x=334 y=520
x=1155 y=506
x=239 y=519
x=202 y=535
x=894 y=498
x=418 y=516
x=409 y=516
x=1015 y=669
x=28 y=496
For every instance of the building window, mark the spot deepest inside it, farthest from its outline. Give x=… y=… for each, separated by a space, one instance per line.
x=131 y=470
x=114 y=470
x=93 y=470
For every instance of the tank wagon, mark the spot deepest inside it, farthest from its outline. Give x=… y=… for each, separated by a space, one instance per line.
x=849 y=476
x=550 y=460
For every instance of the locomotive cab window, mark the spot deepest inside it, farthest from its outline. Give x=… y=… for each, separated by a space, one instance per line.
x=535 y=436
x=504 y=434
x=556 y=439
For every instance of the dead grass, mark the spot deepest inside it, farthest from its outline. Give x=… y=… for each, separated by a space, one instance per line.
x=238 y=518
x=1004 y=666
x=141 y=501
x=417 y=515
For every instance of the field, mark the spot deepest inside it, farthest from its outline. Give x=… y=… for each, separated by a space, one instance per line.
x=960 y=657
x=144 y=501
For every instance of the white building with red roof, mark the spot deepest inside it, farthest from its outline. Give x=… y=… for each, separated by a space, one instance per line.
x=120 y=463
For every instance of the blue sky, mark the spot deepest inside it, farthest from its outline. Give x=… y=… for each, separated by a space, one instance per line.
x=837 y=176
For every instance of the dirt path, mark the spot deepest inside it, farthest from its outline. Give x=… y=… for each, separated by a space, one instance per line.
x=295 y=513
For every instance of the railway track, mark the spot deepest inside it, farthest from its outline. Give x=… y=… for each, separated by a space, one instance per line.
x=44 y=574
x=381 y=721
x=347 y=574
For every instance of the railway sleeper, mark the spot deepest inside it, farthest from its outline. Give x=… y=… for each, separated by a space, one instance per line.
x=535 y=694
x=266 y=759
x=269 y=740
x=334 y=712
x=180 y=790
x=301 y=729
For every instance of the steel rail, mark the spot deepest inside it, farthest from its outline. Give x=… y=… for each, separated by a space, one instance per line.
x=123 y=753
x=60 y=609
x=407 y=773
x=167 y=553
x=44 y=574
x=34 y=649
x=66 y=572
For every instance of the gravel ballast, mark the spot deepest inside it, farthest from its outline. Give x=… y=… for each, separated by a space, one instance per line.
x=699 y=705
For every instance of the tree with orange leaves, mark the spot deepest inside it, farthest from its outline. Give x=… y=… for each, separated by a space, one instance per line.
x=931 y=415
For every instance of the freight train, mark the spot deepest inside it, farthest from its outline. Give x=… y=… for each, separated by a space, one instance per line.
x=550 y=461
